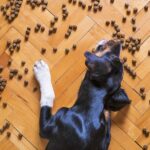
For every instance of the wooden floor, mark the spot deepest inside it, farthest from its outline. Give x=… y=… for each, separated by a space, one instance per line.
x=20 y=105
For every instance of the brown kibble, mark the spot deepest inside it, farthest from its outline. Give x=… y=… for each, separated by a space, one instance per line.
x=8 y=44
x=11 y=75
x=23 y=63
x=50 y=31
x=52 y=23
x=112 y=1
x=1 y=131
x=74 y=46
x=89 y=7
x=124 y=59
x=146 y=8
x=133 y=20
x=35 y=89
x=142 y=89
x=19 y=77
x=124 y=19
x=20 y=136
x=4 y=105
x=143 y=96
x=135 y=10
x=128 y=12
x=63 y=6
x=56 y=18
x=43 y=50
x=107 y=23
x=54 y=50
x=66 y=51
x=9 y=63
x=113 y=23
x=7 y=125
x=44 y=7
x=145 y=147
x=126 y=6
x=147 y=134
x=134 y=62
x=54 y=30
x=42 y=29
x=74 y=27
x=1 y=68
x=148 y=52
x=8 y=134
x=26 y=83
x=26 y=70
x=134 y=28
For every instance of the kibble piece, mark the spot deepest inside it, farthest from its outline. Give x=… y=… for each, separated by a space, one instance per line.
x=8 y=44
x=107 y=23
x=4 y=105
x=148 y=52
x=143 y=96
x=26 y=70
x=134 y=28
x=54 y=30
x=112 y=1
x=8 y=134
x=145 y=147
x=26 y=83
x=19 y=77
x=43 y=50
x=42 y=29
x=126 y=6
x=52 y=23
x=89 y=7
x=23 y=63
x=147 y=134
x=74 y=27
x=146 y=8
x=134 y=62
x=50 y=31
x=35 y=89
x=66 y=51
x=142 y=90
x=124 y=19
x=54 y=50
x=135 y=10
x=1 y=68
x=74 y=46
x=133 y=20
x=128 y=12
x=20 y=136
x=56 y=18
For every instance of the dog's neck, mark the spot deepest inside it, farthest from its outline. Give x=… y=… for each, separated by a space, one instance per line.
x=89 y=93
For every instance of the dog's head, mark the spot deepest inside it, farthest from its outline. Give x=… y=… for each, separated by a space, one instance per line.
x=106 y=70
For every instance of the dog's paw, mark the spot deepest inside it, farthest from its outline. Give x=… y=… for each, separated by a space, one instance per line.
x=41 y=71
x=42 y=74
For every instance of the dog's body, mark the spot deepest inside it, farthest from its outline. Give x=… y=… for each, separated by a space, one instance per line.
x=86 y=125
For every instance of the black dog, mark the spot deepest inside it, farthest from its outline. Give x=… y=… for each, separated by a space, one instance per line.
x=85 y=125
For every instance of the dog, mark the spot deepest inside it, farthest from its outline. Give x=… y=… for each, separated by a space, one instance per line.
x=86 y=125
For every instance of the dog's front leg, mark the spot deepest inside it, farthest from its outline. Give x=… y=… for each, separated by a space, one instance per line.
x=43 y=77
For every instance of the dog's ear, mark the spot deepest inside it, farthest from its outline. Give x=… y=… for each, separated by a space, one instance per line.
x=117 y=101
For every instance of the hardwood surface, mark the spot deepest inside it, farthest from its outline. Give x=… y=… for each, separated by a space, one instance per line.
x=22 y=111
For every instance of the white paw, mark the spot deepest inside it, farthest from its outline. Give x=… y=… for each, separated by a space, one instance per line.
x=42 y=74
x=41 y=71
